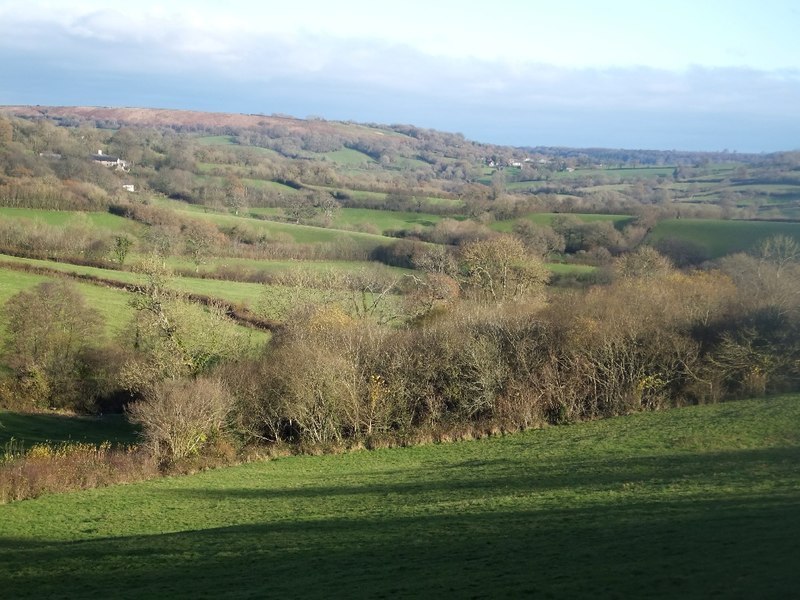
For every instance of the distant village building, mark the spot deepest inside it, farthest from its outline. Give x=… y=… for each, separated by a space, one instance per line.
x=50 y=155
x=110 y=161
x=129 y=187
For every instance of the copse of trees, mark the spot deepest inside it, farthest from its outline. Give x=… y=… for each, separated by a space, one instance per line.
x=50 y=335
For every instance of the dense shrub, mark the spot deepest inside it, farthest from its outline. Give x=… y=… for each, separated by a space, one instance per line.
x=653 y=338
x=179 y=418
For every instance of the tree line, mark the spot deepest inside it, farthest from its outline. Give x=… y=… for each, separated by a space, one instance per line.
x=482 y=344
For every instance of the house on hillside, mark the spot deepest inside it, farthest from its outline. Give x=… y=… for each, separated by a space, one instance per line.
x=129 y=187
x=110 y=161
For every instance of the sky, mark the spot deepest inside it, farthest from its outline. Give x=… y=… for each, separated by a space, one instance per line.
x=686 y=75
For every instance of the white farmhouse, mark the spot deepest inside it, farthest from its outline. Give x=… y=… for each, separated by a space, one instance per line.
x=110 y=161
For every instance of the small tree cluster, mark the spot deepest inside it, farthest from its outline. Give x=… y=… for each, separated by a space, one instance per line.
x=180 y=417
x=50 y=336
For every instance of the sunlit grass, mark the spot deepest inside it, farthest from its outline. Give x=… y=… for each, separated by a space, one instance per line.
x=103 y=220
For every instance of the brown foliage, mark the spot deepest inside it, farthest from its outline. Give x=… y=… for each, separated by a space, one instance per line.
x=181 y=417
x=501 y=269
x=70 y=466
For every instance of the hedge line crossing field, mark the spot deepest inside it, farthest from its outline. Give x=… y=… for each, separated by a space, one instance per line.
x=692 y=503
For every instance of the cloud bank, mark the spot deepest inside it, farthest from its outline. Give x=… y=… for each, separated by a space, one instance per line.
x=182 y=60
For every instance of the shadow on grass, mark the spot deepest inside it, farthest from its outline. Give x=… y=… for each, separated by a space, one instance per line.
x=420 y=221
x=39 y=428
x=741 y=469
x=741 y=548
x=693 y=526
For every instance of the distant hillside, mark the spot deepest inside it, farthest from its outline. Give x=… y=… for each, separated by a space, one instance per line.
x=383 y=135
x=299 y=165
x=156 y=117
x=187 y=120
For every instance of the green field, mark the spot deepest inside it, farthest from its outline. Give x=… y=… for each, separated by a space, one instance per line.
x=251 y=294
x=619 y=221
x=623 y=174
x=348 y=157
x=272 y=301
x=232 y=291
x=113 y=304
x=250 y=182
x=357 y=194
x=301 y=234
x=383 y=219
x=12 y=282
x=277 y=266
x=690 y=503
x=103 y=220
x=720 y=237
x=271 y=185
x=30 y=429
x=406 y=163
x=570 y=269
x=65 y=267
x=776 y=191
x=610 y=174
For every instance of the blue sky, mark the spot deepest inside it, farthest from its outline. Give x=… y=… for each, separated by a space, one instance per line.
x=688 y=75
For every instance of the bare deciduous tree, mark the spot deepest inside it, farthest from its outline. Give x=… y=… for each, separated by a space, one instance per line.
x=179 y=418
x=501 y=269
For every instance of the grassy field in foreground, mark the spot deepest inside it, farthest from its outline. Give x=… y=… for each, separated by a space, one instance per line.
x=692 y=503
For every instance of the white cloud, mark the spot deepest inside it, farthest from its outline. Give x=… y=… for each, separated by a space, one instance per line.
x=582 y=34
x=170 y=48
x=168 y=40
